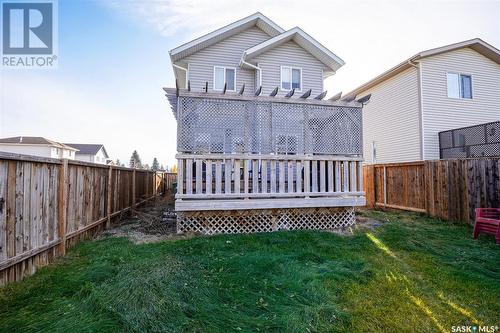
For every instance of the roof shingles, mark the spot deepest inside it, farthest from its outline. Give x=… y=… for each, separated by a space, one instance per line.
x=34 y=140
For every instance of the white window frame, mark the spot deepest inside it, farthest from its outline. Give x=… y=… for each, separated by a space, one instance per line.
x=225 y=81
x=459 y=86
x=281 y=78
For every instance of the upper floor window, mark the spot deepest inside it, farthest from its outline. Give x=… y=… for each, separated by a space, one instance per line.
x=223 y=75
x=459 y=85
x=291 y=78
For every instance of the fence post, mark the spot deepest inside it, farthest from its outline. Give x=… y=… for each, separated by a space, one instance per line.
x=133 y=189
x=368 y=185
x=110 y=190
x=385 y=187
x=155 y=190
x=62 y=205
x=426 y=188
x=165 y=183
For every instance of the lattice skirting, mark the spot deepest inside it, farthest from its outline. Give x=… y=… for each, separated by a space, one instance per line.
x=248 y=221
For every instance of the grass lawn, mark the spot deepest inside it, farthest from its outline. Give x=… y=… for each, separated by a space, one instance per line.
x=412 y=274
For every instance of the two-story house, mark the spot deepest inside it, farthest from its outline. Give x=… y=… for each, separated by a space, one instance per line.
x=449 y=87
x=258 y=147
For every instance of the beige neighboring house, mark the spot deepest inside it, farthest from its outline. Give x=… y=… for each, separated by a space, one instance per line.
x=94 y=153
x=449 y=87
x=37 y=146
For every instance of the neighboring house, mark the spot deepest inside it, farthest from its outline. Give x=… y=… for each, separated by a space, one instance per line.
x=95 y=153
x=254 y=52
x=37 y=146
x=259 y=150
x=445 y=88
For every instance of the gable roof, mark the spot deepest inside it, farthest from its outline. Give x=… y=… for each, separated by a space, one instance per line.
x=257 y=19
x=35 y=140
x=327 y=57
x=88 y=149
x=476 y=44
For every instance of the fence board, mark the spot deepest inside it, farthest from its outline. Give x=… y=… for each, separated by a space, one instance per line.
x=41 y=206
x=3 y=210
x=447 y=189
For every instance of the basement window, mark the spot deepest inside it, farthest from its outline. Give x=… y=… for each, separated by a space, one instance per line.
x=459 y=85
x=224 y=75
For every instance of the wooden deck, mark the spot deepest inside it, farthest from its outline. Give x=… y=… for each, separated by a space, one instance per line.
x=246 y=181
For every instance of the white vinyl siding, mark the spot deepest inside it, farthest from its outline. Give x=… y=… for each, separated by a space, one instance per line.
x=391 y=120
x=442 y=113
x=36 y=150
x=290 y=55
x=226 y=53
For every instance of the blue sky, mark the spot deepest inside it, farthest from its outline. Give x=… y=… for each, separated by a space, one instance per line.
x=106 y=89
x=113 y=59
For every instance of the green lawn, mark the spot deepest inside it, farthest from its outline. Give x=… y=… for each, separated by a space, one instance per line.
x=412 y=274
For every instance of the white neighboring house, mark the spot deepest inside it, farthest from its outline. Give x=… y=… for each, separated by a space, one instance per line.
x=37 y=146
x=95 y=153
x=449 y=87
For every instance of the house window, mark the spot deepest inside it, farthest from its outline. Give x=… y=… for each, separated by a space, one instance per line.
x=459 y=85
x=223 y=75
x=291 y=78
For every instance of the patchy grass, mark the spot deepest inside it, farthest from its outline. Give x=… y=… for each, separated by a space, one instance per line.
x=410 y=274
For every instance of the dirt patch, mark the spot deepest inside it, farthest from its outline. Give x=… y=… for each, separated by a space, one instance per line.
x=156 y=222
x=151 y=223
x=363 y=222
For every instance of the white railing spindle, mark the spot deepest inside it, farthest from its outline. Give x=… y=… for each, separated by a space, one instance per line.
x=273 y=176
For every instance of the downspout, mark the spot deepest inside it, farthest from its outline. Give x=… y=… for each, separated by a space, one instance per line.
x=185 y=71
x=418 y=66
x=243 y=62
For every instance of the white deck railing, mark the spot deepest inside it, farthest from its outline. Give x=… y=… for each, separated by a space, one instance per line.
x=244 y=181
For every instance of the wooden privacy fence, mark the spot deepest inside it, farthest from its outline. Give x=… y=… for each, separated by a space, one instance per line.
x=48 y=204
x=168 y=180
x=448 y=189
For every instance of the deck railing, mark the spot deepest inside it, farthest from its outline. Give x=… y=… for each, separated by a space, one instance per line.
x=245 y=181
